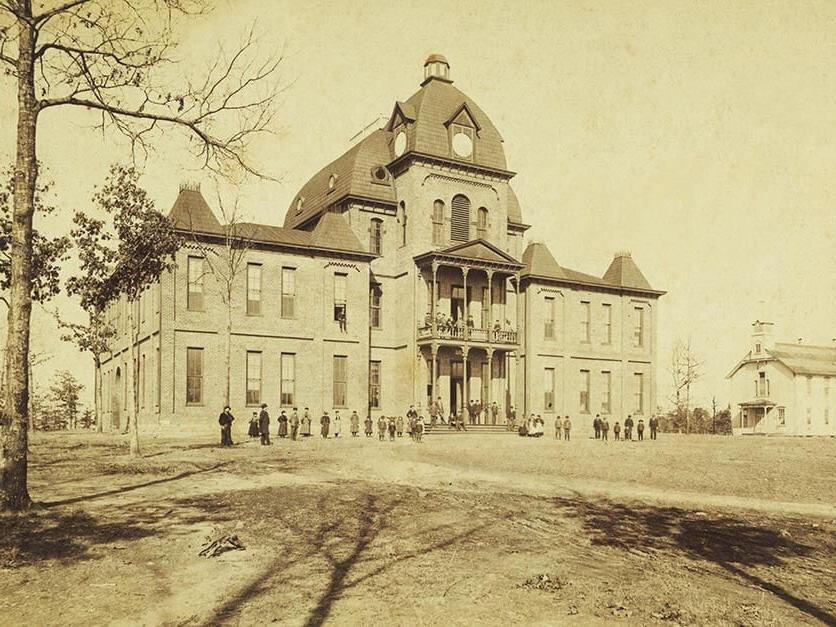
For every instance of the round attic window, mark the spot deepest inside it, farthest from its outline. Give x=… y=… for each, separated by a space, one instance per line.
x=380 y=174
x=462 y=145
x=400 y=143
x=332 y=181
x=299 y=203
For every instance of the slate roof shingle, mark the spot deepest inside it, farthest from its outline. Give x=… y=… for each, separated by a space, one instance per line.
x=805 y=359
x=624 y=272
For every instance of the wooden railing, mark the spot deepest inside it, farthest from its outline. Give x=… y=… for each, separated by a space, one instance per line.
x=487 y=336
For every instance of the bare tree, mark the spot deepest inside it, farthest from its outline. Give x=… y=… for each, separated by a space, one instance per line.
x=109 y=57
x=685 y=371
x=224 y=258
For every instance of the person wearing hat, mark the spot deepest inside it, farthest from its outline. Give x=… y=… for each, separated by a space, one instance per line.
x=325 y=423
x=264 y=424
x=306 y=423
x=338 y=426
x=283 y=424
x=368 y=425
x=225 y=420
x=355 y=424
x=294 y=424
x=253 y=431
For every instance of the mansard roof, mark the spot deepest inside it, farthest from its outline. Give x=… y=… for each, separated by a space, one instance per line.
x=623 y=271
x=191 y=212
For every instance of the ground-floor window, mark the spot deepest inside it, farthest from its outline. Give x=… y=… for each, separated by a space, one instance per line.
x=782 y=420
x=194 y=376
x=253 y=378
x=548 y=390
x=374 y=384
x=340 y=381
x=584 y=392
x=639 y=392
x=606 y=392
x=288 y=384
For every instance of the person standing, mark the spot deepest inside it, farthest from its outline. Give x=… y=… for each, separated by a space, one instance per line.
x=512 y=419
x=558 y=428
x=225 y=420
x=355 y=424
x=338 y=424
x=381 y=428
x=567 y=428
x=368 y=425
x=399 y=426
x=640 y=429
x=628 y=428
x=494 y=413
x=605 y=429
x=391 y=427
x=419 y=429
x=596 y=426
x=325 y=424
x=283 y=425
x=253 y=430
x=306 y=423
x=439 y=409
x=654 y=425
x=264 y=424
x=294 y=424
x=616 y=430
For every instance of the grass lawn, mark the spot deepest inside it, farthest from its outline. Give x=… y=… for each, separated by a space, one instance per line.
x=459 y=530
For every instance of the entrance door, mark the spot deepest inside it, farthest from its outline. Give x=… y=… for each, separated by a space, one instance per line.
x=456 y=386
x=457 y=303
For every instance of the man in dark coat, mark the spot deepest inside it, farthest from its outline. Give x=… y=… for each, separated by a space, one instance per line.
x=381 y=428
x=567 y=428
x=225 y=420
x=654 y=425
x=628 y=428
x=355 y=424
x=640 y=429
x=264 y=424
x=399 y=426
x=325 y=423
x=596 y=426
x=294 y=424
x=494 y=413
x=605 y=429
x=368 y=425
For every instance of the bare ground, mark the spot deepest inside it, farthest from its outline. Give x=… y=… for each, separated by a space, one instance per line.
x=458 y=531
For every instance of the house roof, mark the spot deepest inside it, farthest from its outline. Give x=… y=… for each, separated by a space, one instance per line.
x=192 y=213
x=540 y=263
x=624 y=272
x=801 y=359
x=353 y=175
x=513 y=205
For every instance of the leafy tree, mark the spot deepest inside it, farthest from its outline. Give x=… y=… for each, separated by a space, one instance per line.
x=107 y=57
x=88 y=418
x=64 y=396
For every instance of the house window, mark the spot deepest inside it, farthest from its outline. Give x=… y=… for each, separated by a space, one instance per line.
x=287 y=393
x=638 y=378
x=584 y=389
x=376 y=236
x=460 y=219
x=638 y=328
x=482 y=223
x=340 y=381
x=548 y=327
x=403 y=224
x=374 y=306
x=340 y=307
x=758 y=347
x=194 y=295
x=288 y=292
x=607 y=323
x=782 y=418
x=253 y=289
x=374 y=384
x=438 y=222
x=548 y=390
x=762 y=386
x=194 y=376
x=461 y=141
x=253 y=378
x=142 y=303
x=157 y=377
x=606 y=392
x=586 y=313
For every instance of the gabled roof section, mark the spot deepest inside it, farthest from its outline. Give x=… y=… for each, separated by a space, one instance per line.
x=191 y=212
x=624 y=272
x=805 y=359
x=479 y=249
x=332 y=232
x=539 y=261
x=402 y=113
x=353 y=176
x=464 y=117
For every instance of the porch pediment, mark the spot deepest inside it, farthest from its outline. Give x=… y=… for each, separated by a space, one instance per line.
x=478 y=251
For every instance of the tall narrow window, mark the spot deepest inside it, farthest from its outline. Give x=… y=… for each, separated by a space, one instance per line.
x=194 y=295
x=287 y=392
x=586 y=314
x=340 y=381
x=340 y=307
x=548 y=327
x=638 y=326
x=782 y=417
x=606 y=392
x=374 y=384
x=403 y=224
x=374 y=306
x=607 y=323
x=482 y=223
x=584 y=390
x=142 y=381
x=376 y=236
x=639 y=392
x=288 y=292
x=486 y=310
x=460 y=219
x=253 y=378
x=194 y=376
x=253 y=289
x=762 y=386
x=548 y=390
x=438 y=222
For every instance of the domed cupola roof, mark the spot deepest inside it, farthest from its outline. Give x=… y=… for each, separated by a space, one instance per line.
x=441 y=121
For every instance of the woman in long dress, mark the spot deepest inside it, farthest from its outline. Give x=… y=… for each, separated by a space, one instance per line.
x=306 y=423
x=283 y=425
x=253 y=431
x=337 y=425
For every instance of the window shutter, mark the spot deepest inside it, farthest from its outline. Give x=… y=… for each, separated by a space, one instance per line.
x=460 y=219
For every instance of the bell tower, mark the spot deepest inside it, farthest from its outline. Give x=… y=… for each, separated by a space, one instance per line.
x=436 y=67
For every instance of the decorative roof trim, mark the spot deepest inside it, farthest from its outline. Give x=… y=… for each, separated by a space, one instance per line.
x=456 y=179
x=615 y=289
x=463 y=107
x=399 y=164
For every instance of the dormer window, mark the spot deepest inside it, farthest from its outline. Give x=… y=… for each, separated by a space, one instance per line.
x=332 y=182
x=461 y=141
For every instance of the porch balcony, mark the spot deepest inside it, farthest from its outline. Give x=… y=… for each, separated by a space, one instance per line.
x=504 y=337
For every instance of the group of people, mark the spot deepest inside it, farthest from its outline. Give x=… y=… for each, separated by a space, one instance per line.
x=601 y=428
x=448 y=325
x=534 y=427
x=392 y=426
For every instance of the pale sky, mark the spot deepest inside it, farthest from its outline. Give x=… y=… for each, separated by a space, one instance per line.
x=699 y=136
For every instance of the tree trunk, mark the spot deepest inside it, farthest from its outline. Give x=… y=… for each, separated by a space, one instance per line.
x=228 y=356
x=97 y=394
x=14 y=494
x=135 y=452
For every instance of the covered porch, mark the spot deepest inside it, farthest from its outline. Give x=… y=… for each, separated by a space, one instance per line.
x=757 y=416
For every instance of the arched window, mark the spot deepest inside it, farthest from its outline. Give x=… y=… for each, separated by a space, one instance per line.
x=482 y=223
x=376 y=236
x=460 y=219
x=403 y=223
x=438 y=222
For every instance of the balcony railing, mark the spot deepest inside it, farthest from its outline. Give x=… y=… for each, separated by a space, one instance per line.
x=460 y=333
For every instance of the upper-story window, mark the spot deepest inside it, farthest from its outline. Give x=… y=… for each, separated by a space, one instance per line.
x=638 y=326
x=402 y=211
x=482 y=223
x=548 y=327
x=438 y=222
x=607 y=339
x=460 y=219
x=376 y=236
x=461 y=141
x=194 y=294
x=253 y=289
x=762 y=386
x=340 y=306
x=332 y=182
x=375 y=294
x=758 y=348
x=288 y=292
x=586 y=314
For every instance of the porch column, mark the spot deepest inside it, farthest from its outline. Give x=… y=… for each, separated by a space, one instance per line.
x=489 y=352
x=466 y=301
x=489 y=273
x=465 y=378
x=433 y=297
x=433 y=354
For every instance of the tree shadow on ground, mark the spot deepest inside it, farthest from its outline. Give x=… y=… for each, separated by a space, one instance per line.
x=736 y=545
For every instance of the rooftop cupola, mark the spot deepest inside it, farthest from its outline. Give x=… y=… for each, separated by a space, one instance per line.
x=762 y=338
x=436 y=67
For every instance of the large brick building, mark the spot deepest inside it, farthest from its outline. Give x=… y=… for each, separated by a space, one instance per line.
x=401 y=274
